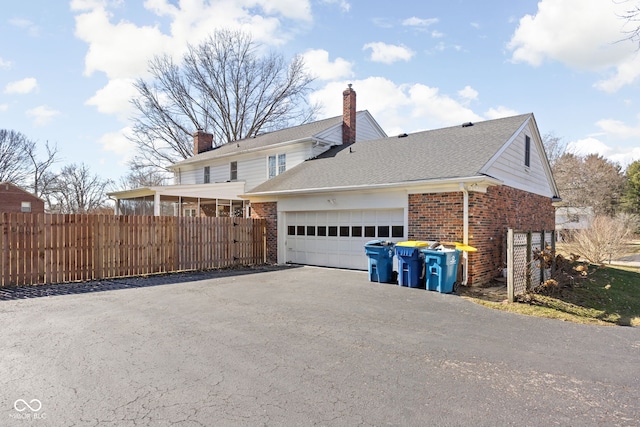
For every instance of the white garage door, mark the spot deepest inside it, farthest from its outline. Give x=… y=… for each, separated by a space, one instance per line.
x=337 y=238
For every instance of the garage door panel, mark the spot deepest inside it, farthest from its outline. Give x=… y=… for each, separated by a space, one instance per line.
x=337 y=238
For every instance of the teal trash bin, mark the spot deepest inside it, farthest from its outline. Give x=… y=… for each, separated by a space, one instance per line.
x=441 y=269
x=411 y=263
x=380 y=254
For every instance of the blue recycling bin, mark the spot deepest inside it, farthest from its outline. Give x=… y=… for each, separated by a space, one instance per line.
x=380 y=253
x=410 y=263
x=441 y=269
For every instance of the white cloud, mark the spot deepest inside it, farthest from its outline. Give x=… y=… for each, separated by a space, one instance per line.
x=468 y=94
x=21 y=87
x=42 y=115
x=621 y=155
x=4 y=107
x=319 y=65
x=122 y=49
x=500 y=112
x=32 y=29
x=419 y=22
x=437 y=34
x=398 y=108
x=582 y=34
x=344 y=5
x=388 y=53
x=117 y=142
x=618 y=129
x=114 y=98
x=5 y=64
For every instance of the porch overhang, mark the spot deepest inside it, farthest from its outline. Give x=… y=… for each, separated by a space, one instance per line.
x=196 y=193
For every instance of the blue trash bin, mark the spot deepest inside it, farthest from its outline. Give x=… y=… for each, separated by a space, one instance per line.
x=441 y=269
x=380 y=253
x=410 y=263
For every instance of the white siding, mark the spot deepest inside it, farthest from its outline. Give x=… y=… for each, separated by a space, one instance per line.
x=510 y=168
x=252 y=167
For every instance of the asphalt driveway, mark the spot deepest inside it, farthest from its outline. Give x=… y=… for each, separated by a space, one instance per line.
x=301 y=346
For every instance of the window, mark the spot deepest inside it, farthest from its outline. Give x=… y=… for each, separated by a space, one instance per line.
x=356 y=231
x=272 y=166
x=291 y=230
x=322 y=230
x=333 y=231
x=276 y=165
x=26 y=207
x=233 y=171
x=207 y=174
x=369 y=231
x=397 y=231
x=300 y=230
x=527 y=151
x=383 y=231
x=311 y=230
x=190 y=212
x=344 y=231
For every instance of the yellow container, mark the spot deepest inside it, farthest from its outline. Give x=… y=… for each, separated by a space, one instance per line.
x=414 y=243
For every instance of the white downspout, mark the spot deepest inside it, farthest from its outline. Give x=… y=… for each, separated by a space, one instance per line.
x=465 y=233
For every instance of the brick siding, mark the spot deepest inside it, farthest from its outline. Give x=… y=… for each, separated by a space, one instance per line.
x=268 y=211
x=440 y=217
x=11 y=198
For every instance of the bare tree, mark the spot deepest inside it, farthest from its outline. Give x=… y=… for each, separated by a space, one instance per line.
x=41 y=177
x=224 y=86
x=554 y=146
x=632 y=16
x=137 y=178
x=14 y=161
x=589 y=181
x=76 y=190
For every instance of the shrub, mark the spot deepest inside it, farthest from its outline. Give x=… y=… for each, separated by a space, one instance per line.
x=605 y=238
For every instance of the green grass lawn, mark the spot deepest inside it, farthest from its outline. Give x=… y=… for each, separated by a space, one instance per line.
x=608 y=295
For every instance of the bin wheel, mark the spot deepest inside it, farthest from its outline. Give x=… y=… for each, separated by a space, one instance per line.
x=456 y=287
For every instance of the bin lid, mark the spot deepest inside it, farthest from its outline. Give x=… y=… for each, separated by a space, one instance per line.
x=379 y=243
x=414 y=243
x=461 y=246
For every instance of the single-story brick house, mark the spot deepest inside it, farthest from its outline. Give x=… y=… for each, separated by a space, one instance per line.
x=15 y=199
x=328 y=187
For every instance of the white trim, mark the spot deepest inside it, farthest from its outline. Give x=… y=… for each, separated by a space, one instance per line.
x=477 y=183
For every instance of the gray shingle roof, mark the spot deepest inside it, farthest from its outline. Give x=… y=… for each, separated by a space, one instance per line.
x=453 y=152
x=261 y=141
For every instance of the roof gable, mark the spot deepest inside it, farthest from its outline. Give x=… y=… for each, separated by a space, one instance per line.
x=447 y=153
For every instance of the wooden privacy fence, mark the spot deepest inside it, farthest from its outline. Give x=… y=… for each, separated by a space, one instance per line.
x=57 y=248
x=523 y=273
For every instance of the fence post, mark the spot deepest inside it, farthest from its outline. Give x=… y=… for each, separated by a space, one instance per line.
x=510 y=269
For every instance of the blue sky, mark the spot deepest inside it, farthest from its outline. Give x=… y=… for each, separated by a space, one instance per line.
x=66 y=67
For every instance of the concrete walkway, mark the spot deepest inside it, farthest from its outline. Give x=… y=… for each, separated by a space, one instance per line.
x=301 y=346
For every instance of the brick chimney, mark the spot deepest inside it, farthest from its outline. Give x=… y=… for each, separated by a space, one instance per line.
x=349 y=116
x=202 y=142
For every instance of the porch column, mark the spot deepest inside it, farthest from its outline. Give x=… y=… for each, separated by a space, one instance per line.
x=156 y=204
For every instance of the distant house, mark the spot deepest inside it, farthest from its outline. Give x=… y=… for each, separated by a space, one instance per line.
x=15 y=199
x=328 y=187
x=571 y=218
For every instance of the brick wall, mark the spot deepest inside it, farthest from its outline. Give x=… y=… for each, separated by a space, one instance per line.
x=268 y=211
x=435 y=217
x=440 y=217
x=11 y=198
x=491 y=214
